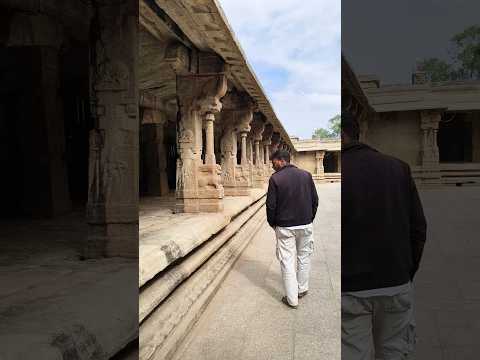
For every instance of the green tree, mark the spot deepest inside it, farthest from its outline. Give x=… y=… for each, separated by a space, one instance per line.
x=333 y=130
x=335 y=125
x=436 y=69
x=465 y=58
x=466 y=53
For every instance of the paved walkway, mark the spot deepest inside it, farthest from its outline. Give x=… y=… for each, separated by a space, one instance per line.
x=447 y=287
x=246 y=319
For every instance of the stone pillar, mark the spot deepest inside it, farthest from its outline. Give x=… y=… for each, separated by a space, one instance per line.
x=209 y=139
x=199 y=186
x=112 y=209
x=237 y=115
x=258 y=127
x=258 y=160
x=319 y=169
x=429 y=154
x=251 y=166
x=339 y=162
x=244 y=159
x=228 y=146
x=266 y=142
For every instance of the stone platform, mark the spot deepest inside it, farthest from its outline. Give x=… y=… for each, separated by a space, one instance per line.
x=184 y=258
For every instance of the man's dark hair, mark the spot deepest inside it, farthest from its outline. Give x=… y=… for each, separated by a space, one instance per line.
x=281 y=155
x=350 y=125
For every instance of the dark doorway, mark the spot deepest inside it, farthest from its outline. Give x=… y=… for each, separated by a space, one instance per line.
x=330 y=162
x=455 y=140
x=44 y=124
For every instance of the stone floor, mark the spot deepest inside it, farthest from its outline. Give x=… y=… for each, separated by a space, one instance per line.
x=51 y=302
x=448 y=283
x=246 y=320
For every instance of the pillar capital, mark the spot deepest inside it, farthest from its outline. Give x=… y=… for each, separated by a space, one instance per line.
x=320 y=155
x=258 y=127
x=267 y=135
x=430 y=119
x=202 y=93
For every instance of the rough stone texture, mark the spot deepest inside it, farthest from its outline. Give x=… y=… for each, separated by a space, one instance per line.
x=113 y=158
x=163 y=331
x=246 y=319
x=160 y=245
x=155 y=292
x=52 y=305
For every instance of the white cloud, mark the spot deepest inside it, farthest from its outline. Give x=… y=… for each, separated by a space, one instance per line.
x=301 y=39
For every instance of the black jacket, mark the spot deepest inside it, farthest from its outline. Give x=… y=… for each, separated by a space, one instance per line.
x=292 y=198
x=383 y=225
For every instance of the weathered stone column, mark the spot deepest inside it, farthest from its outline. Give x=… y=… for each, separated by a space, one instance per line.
x=228 y=146
x=237 y=115
x=429 y=153
x=266 y=142
x=258 y=127
x=209 y=139
x=112 y=209
x=319 y=169
x=244 y=159
x=199 y=187
x=258 y=160
x=251 y=166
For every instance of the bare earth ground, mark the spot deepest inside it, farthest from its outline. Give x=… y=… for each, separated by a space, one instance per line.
x=246 y=319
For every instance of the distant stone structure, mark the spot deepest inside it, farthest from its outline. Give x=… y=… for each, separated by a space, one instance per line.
x=434 y=127
x=321 y=157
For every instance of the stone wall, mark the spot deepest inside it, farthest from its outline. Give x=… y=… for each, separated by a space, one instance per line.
x=397 y=134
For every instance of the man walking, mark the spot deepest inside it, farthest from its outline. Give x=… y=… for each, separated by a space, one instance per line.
x=292 y=203
x=383 y=234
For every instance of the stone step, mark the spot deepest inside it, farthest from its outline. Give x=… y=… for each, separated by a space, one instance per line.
x=154 y=292
x=166 y=238
x=162 y=332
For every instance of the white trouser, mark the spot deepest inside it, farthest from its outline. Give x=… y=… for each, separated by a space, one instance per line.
x=378 y=327
x=294 y=244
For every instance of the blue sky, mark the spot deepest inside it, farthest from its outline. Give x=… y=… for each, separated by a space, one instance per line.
x=294 y=49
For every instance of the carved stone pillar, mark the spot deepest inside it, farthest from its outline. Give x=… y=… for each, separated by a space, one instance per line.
x=258 y=160
x=429 y=154
x=319 y=169
x=209 y=139
x=251 y=166
x=228 y=146
x=266 y=142
x=258 y=127
x=112 y=209
x=237 y=115
x=199 y=187
x=244 y=159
